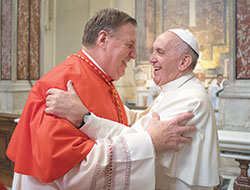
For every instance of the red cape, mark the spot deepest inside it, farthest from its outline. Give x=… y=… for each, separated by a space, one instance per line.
x=47 y=147
x=2 y=187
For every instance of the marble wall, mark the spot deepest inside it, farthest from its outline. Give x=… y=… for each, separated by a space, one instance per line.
x=20 y=41
x=235 y=99
x=28 y=32
x=28 y=36
x=243 y=39
x=32 y=37
x=208 y=20
x=5 y=40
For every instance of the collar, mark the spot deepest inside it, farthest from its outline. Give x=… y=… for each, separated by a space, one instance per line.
x=93 y=61
x=177 y=82
x=218 y=84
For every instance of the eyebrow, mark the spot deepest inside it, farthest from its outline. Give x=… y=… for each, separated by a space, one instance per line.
x=160 y=49
x=131 y=41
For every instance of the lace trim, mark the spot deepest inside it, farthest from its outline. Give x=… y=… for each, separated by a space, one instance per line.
x=93 y=183
x=128 y=163
x=110 y=171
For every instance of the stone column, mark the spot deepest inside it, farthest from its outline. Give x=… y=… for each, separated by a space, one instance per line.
x=242 y=182
x=234 y=109
x=20 y=26
x=235 y=99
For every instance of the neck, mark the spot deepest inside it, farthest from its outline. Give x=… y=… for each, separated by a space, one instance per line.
x=94 y=53
x=97 y=55
x=89 y=51
x=185 y=72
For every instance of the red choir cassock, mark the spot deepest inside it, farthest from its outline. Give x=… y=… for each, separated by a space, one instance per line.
x=47 y=147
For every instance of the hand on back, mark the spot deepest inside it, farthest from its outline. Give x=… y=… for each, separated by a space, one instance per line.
x=66 y=104
x=167 y=135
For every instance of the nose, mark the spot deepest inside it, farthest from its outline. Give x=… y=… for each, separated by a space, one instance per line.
x=133 y=54
x=152 y=58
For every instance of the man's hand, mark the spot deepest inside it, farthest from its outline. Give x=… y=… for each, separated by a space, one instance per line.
x=66 y=104
x=167 y=135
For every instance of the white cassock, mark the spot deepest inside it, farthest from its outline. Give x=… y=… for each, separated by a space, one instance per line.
x=214 y=98
x=129 y=164
x=196 y=165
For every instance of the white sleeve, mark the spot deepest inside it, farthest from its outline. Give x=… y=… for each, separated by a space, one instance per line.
x=99 y=128
x=122 y=158
x=122 y=162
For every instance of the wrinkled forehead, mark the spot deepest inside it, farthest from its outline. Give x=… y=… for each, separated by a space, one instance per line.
x=166 y=39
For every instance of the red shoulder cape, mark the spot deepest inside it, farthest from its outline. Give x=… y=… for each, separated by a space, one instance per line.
x=47 y=147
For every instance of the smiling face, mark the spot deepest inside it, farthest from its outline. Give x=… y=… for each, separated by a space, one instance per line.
x=119 y=50
x=166 y=59
x=219 y=79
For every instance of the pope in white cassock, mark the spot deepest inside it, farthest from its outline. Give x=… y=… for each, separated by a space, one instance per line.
x=195 y=166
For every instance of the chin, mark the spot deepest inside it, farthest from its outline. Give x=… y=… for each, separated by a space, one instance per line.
x=116 y=78
x=121 y=75
x=157 y=83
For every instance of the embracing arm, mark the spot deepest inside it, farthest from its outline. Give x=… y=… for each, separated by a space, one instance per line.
x=117 y=162
x=121 y=154
x=66 y=104
x=165 y=135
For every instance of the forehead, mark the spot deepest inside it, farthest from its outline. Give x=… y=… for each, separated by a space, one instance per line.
x=126 y=32
x=165 y=40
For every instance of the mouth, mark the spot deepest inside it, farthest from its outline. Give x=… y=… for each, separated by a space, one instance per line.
x=124 y=63
x=157 y=68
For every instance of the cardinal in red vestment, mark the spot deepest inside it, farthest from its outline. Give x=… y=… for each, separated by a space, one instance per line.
x=47 y=147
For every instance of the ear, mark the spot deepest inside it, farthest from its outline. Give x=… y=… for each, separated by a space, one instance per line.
x=185 y=63
x=102 y=39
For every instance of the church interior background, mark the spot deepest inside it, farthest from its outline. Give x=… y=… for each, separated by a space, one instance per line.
x=36 y=35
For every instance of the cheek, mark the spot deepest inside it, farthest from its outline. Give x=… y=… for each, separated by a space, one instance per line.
x=117 y=71
x=164 y=71
x=164 y=75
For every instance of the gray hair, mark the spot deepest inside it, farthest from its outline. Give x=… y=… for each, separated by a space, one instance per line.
x=182 y=48
x=108 y=19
